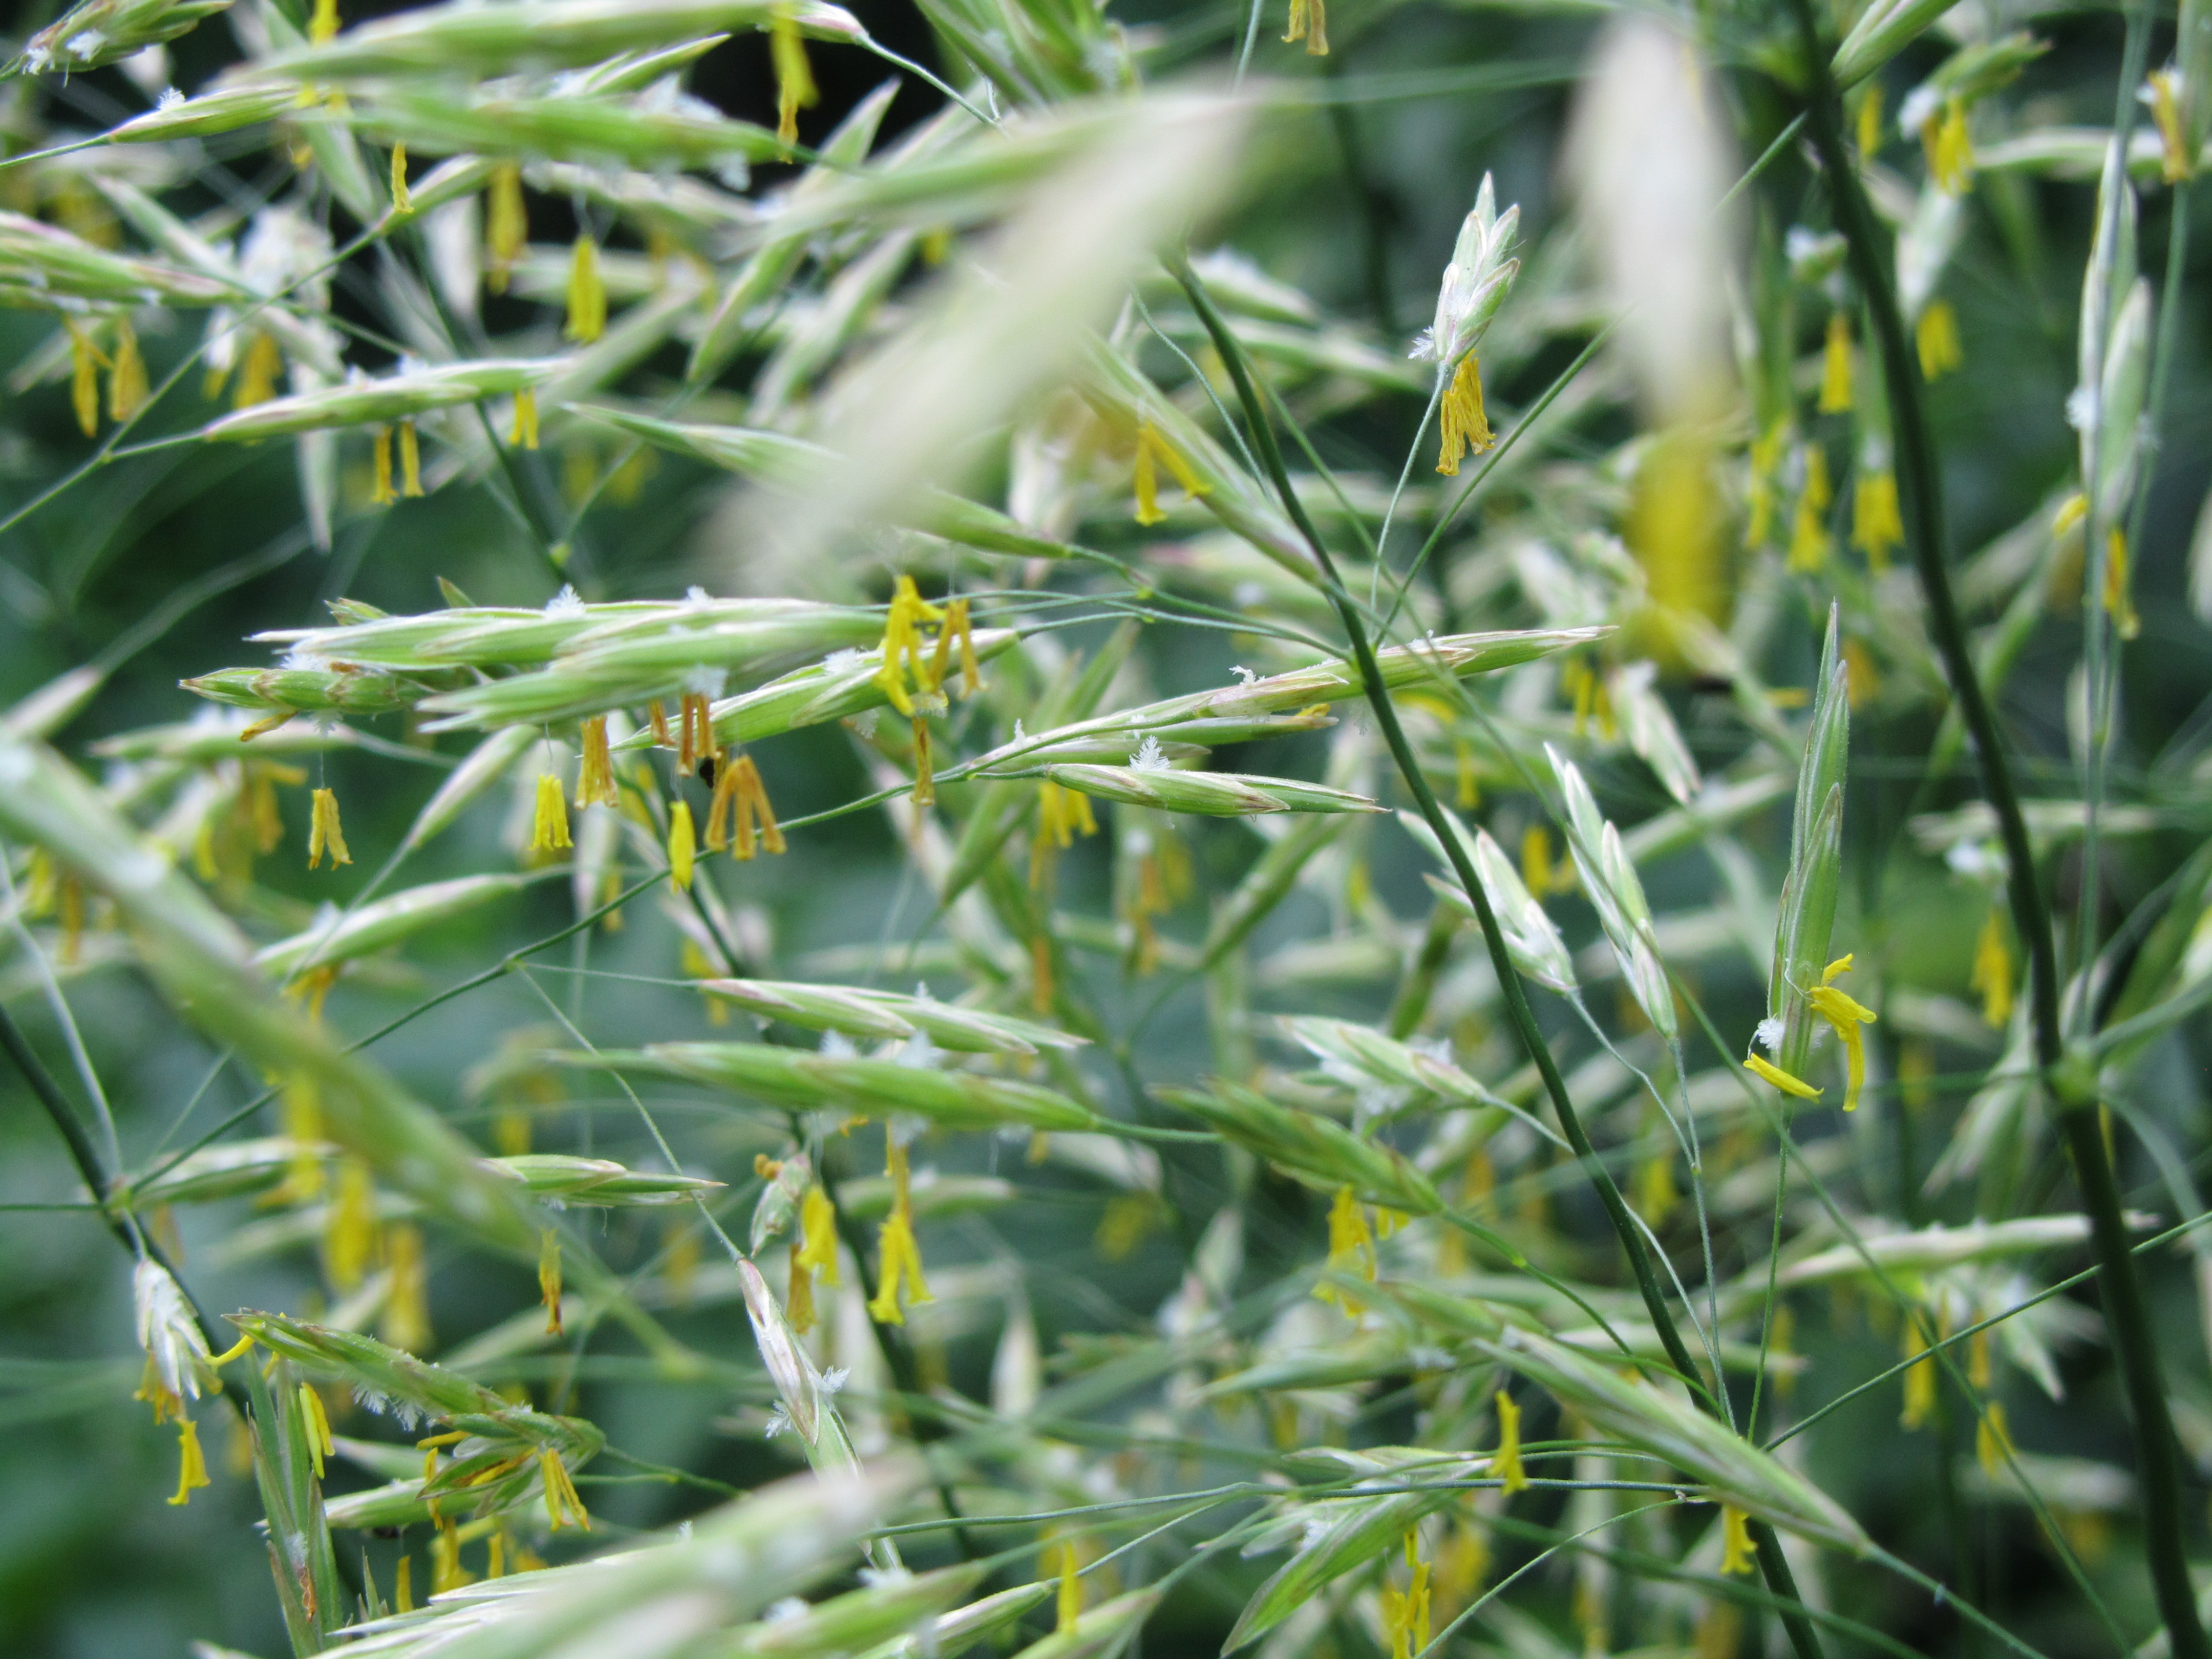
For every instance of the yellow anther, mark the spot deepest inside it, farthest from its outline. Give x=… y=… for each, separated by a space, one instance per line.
x=587 y=294
x=1877 y=528
x=549 y=1278
x=1309 y=22
x=323 y=833
x=192 y=1465
x=1780 y=1078
x=318 y=1428
x=401 y=201
x=380 y=492
x=794 y=78
x=548 y=828
x=524 y=436
x=1936 y=337
x=1992 y=972
x=1465 y=425
x=1836 y=366
x=1505 y=1461
x=595 y=780
x=1736 y=1552
x=506 y=224
x=411 y=461
x=1351 y=1249
x=683 y=846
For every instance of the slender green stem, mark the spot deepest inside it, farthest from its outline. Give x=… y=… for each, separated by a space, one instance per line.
x=2157 y=1453
x=1802 y=1636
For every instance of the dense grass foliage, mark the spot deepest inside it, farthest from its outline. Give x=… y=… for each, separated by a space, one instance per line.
x=999 y=827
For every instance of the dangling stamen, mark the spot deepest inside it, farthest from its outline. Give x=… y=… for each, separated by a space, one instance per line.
x=257 y=376
x=1876 y=526
x=925 y=782
x=548 y=831
x=506 y=224
x=794 y=78
x=1737 y=1553
x=127 y=391
x=1935 y=337
x=587 y=294
x=402 y=203
x=324 y=834
x=1464 y=423
x=84 y=379
x=381 y=456
x=595 y=782
x=191 y=1464
x=548 y=1279
x=683 y=847
x=525 y=432
x=410 y=461
x=1505 y=1461
x=1836 y=366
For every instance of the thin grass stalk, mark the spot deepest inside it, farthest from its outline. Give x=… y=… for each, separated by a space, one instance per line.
x=1803 y=1636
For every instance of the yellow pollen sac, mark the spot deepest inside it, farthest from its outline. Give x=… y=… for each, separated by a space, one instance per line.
x=1351 y=1250
x=587 y=294
x=381 y=493
x=349 y=1241
x=2119 y=605
x=1536 y=860
x=318 y=1427
x=1836 y=367
x=753 y=812
x=323 y=835
x=1780 y=1078
x=1935 y=337
x=1465 y=425
x=561 y=1504
x=1845 y=1016
x=683 y=846
x=507 y=225
x=2071 y=512
x=401 y=201
x=549 y=830
x=1919 y=1379
x=525 y=432
x=798 y=1298
x=406 y=1322
x=411 y=461
x=957 y=629
x=85 y=362
x=446 y=1572
x=898 y=1265
x=794 y=78
x=1505 y=1461
x=1992 y=974
x=1309 y=22
x=1766 y=460
x=1993 y=1446
x=1406 y=1613
x=548 y=1279
x=127 y=391
x=902 y=646
x=323 y=26
x=1067 y=1604
x=256 y=375
x=1152 y=449
x=1876 y=526
x=1870 y=124
x=1736 y=1552
x=595 y=780
x=817 y=1228
x=1808 y=531
x=191 y=1464
x=1950 y=148
x=2177 y=160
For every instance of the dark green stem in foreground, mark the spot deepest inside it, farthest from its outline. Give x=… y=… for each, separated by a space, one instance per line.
x=2072 y=1087
x=133 y=1239
x=1779 y=1580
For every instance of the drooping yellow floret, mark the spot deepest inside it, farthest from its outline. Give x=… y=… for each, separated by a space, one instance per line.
x=324 y=834
x=1992 y=972
x=1836 y=366
x=549 y=1278
x=1505 y=1461
x=587 y=294
x=549 y=830
x=1877 y=528
x=1465 y=426
x=192 y=1464
x=1737 y=1553
x=1845 y=1016
x=794 y=78
x=683 y=846
x=1780 y=1078
x=898 y=1264
x=1351 y=1249
x=1935 y=337
x=595 y=780
x=1309 y=22
x=506 y=224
